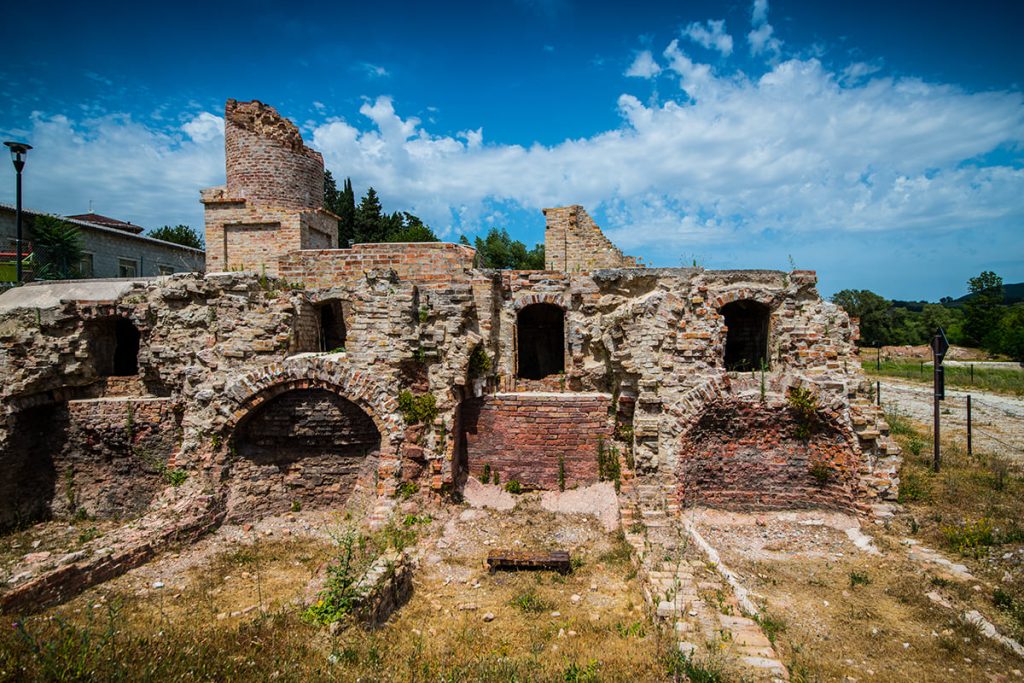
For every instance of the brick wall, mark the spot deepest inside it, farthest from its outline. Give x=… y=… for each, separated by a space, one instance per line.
x=521 y=436
x=745 y=456
x=101 y=456
x=426 y=264
x=574 y=243
x=305 y=446
x=267 y=161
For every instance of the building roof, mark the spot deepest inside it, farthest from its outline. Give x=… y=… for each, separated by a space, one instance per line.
x=109 y=222
x=103 y=228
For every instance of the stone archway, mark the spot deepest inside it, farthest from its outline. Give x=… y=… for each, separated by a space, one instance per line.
x=343 y=426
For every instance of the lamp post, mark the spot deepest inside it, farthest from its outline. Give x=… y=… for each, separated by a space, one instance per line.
x=19 y=150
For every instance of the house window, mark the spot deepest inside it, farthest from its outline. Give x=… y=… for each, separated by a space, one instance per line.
x=85 y=266
x=165 y=270
x=127 y=267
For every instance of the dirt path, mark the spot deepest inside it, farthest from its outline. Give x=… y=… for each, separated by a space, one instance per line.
x=998 y=420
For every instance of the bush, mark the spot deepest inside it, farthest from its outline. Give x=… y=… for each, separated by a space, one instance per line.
x=859 y=579
x=479 y=362
x=821 y=471
x=336 y=599
x=804 y=406
x=417 y=408
x=969 y=538
x=513 y=486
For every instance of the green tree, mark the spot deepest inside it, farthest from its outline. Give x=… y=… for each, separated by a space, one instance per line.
x=411 y=229
x=1009 y=335
x=873 y=311
x=498 y=250
x=369 y=223
x=342 y=204
x=983 y=309
x=56 y=249
x=179 y=234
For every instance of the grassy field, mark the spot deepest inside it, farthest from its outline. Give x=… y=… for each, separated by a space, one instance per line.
x=986 y=379
x=973 y=510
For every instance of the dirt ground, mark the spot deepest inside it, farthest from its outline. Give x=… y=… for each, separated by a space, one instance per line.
x=841 y=613
x=998 y=420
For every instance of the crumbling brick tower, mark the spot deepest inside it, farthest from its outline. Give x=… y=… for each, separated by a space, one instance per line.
x=573 y=243
x=273 y=202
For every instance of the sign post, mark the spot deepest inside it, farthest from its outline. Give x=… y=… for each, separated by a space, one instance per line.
x=939 y=347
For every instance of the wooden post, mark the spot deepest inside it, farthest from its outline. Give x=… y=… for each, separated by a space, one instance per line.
x=936 y=455
x=878 y=392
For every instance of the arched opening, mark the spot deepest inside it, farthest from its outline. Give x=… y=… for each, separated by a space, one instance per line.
x=306 y=446
x=114 y=346
x=540 y=336
x=746 y=343
x=29 y=485
x=331 y=321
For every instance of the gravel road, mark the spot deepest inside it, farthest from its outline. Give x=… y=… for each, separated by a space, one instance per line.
x=998 y=420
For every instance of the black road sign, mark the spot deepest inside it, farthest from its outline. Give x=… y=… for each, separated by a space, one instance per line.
x=939 y=346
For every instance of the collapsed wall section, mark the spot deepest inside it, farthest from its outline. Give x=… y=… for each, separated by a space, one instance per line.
x=574 y=243
x=529 y=438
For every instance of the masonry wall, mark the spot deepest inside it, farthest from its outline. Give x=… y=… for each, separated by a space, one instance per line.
x=267 y=162
x=306 y=446
x=523 y=437
x=749 y=456
x=429 y=264
x=573 y=243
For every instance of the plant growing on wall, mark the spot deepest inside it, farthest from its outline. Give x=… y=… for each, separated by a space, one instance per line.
x=421 y=408
x=479 y=362
x=803 y=404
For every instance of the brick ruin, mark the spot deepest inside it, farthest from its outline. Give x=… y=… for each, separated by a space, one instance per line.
x=285 y=375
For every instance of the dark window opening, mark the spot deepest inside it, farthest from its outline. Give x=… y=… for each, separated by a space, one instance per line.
x=540 y=335
x=114 y=346
x=332 y=326
x=746 y=343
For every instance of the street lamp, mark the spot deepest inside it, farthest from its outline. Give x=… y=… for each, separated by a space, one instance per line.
x=19 y=150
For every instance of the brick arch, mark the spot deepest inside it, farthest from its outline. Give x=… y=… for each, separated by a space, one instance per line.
x=769 y=299
x=559 y=300
x=371 y=395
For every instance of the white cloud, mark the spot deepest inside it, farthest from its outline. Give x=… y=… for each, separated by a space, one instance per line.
x=374 y=70
x=643 y=66
x=802 y=150
x=761 y=37
x=711 y=36
x=205 y=127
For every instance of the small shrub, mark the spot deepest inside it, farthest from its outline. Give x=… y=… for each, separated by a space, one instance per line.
x=899 y=424
x=486 y=477
x=804 y=406
x=296 y=506
x=574 y=673
x=772 y=625
x=635 y=630
x=513 y=486
x=88 y=534
x=969 y=538
x=821 y=471
x=424 y=314
x=1002 y=599
x=479 y=362
x=912 y=487
x=336 y=599
x=417 y=408
x=216 y=440
x=914 y=443
x=497 y=478
x=407 y=489
x=680 y=667
x=999 y=467
x=175 y=477
x=530 y=602
x=413 y=520
x=859 y=579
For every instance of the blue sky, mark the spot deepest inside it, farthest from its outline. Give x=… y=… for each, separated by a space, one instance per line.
x=880 y=145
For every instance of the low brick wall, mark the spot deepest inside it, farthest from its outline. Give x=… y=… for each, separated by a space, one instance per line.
x=522 y=436
x=428 y=264
x=746 y=456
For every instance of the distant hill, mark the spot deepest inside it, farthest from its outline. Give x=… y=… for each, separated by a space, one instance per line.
x=1012 y=294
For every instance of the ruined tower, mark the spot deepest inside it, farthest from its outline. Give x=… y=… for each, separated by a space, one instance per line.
x=272 y=203
x=573 y=243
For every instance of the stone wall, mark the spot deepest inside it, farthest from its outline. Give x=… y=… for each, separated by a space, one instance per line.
x=428 y=264
x=523 y=437
x=573 y=243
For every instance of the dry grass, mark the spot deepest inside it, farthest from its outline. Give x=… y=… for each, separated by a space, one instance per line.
x=236 y=615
